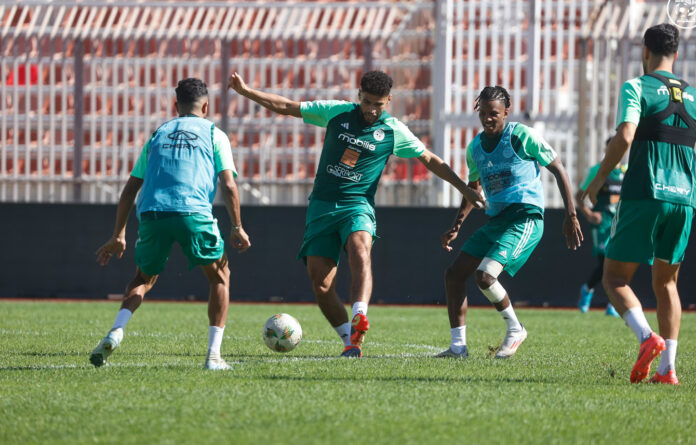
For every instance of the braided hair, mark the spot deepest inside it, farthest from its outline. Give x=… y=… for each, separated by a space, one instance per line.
x=490 y=94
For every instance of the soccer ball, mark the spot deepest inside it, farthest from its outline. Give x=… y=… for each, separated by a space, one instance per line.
x=282 y=333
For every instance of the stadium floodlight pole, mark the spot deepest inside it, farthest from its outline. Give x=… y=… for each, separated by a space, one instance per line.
x=442 y=93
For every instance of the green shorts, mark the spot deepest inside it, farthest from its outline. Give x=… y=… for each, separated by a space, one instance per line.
x=600 y=234
x=508 y=239
x=198 y=235
x=329 y=224
x=600 y=237
x=645 y=229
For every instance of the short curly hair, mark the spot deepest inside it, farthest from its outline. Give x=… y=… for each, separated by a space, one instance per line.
x=662 y=39
x=377 y=83
x=191 y=89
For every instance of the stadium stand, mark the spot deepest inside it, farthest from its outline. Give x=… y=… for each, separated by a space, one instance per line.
x=83 y=85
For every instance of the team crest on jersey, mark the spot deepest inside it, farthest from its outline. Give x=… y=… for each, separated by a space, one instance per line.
x=378 y=135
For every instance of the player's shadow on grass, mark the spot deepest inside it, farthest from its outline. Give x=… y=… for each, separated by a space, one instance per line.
x=411 y=379
x=47 y=354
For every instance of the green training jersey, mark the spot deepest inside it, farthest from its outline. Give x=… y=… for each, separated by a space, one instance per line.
x=608 y=195
x=355 y=152
x=656 y=170
x=607 y=203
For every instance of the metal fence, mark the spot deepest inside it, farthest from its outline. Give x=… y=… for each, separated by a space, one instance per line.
x=84 y=85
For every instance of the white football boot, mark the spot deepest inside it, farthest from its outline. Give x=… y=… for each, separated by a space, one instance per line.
x=106 y=347
x=216 y=363
x=512 y=341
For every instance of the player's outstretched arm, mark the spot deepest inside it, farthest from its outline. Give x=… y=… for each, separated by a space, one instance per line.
x=230 y=195
x=117 y=243
x=464 y=210
x=274 y=102
x=440 y=168
x=571 y=225
x=617 y=148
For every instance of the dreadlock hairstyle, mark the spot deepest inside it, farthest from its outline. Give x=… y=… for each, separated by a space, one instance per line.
x=490 y=94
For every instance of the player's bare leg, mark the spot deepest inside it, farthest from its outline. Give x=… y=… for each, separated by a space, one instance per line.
x=140 y=285
x=616 y=280
x=664 y=281
x=358 y=247
x=456 y=277
x=322 y=274
x=218 y=275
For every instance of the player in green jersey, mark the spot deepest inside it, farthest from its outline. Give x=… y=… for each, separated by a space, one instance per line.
x=504 y=160
x=359 y=139
x=656 y=119
x=600 y=217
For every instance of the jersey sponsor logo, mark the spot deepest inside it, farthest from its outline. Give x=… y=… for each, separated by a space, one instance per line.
x=180 y=139
x=378 y=135
x=350 y=158
x=662 y=91
x=672 y=189
x=498 y=175
x=687 y=96
x=345 y=125
x=344 y=137
x=342 y=172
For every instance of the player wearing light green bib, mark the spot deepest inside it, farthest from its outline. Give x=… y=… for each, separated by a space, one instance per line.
x=657 y=120
x=175 y=180
x=504 y=161
x=359 y=139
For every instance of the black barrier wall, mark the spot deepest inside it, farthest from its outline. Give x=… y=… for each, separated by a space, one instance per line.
x=49 y=253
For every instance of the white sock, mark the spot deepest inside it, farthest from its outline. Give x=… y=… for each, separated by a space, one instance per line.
x=343 y=331
x=215 y=340
x=668 y=357
x=122 y=319
x=458 y=339
x=359 y=308
x=635 y=319
x=510 y=318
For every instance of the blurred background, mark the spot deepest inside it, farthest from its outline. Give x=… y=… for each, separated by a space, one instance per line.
x=85 y=83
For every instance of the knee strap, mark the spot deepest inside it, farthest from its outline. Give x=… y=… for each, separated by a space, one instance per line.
x=491 y=267
x=495 y=293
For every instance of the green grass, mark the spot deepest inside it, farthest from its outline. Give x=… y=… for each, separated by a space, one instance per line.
x=567 y=384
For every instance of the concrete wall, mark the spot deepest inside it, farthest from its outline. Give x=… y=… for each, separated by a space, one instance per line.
x=49 y=252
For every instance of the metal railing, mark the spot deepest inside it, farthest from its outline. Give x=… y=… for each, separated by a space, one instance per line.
x=84 y=85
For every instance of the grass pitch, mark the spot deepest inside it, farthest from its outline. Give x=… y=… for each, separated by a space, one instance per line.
x=568 y=382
